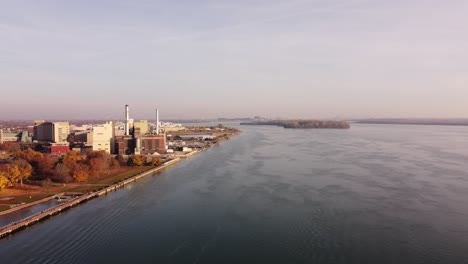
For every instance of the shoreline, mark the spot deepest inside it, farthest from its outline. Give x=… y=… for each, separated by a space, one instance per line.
x=10 y=229
x=14 y=227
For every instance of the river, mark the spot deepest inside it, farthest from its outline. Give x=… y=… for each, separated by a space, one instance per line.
x=370 y=194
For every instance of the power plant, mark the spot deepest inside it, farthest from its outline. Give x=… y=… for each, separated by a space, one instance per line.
x=139 y=139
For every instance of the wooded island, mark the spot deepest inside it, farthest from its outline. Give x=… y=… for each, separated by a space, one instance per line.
x=331 y=124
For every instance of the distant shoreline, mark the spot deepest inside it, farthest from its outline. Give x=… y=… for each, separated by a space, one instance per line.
x=302 y=124
x=422 y=122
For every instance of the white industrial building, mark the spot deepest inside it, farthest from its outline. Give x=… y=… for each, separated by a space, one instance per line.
x=98 y=137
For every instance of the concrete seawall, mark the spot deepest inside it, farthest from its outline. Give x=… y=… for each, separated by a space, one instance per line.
x=28 y=221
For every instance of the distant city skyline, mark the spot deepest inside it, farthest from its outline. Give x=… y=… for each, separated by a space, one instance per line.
x=69 y=60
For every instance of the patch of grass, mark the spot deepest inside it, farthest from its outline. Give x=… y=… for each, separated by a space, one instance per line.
x=85 y=188
x=122 y=175
x=34 y=197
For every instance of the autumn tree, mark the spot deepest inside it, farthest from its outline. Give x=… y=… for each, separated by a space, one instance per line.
x=72 y=159
x=45 y=167
x=115 y=164
x=99 y=162
x=155 y=161
x=4 y=182
x=11 y=147
x=97 y=167
x=101 y=154
x=136 y=160
x=29 y=155
x=70 y=163
x=11 y=172
x=76 y=156
x=81 y=173
x=25 y=169
x=121 y=159
x=33 y=158
x=62 y=173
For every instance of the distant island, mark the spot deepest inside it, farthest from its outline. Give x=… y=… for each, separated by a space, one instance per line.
x=305 y=124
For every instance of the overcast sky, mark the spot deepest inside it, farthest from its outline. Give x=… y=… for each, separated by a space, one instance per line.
x=205 y=59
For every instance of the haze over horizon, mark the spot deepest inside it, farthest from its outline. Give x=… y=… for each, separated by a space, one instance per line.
x=209 y=59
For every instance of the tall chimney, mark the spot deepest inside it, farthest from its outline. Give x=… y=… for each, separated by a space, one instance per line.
x=127 y=121
x=157 y=121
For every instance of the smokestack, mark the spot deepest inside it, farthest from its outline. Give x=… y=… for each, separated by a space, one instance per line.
x=157 y=121
x=127 y=121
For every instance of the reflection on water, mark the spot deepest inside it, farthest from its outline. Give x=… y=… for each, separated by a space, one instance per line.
x=371 y=194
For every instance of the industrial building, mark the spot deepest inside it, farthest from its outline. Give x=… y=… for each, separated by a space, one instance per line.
x=124 y=145
x=138 y=140
x=140 y=127
x=54 y=132
x=97 y=138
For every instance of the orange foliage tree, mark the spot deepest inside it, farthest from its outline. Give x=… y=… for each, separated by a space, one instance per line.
x=46 y=167
x=29 y=155
x=80 y=174
x=4 y=182
x=62 y=173
x=11 y=172
x=97 y=167
x=24 y=168
x=155 y=161
x=136 y=160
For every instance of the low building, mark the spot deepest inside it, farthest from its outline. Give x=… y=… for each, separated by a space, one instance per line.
x=8 y=137
x=198 y=136
x=186 y=149
x=57 y=148
x=166 y=127
x=151 y=144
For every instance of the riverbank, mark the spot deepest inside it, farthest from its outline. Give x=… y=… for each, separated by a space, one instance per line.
x=12 y=200
x=28 y=221
x=102 y=190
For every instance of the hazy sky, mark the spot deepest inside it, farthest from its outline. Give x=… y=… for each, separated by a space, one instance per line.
x=205 y=59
